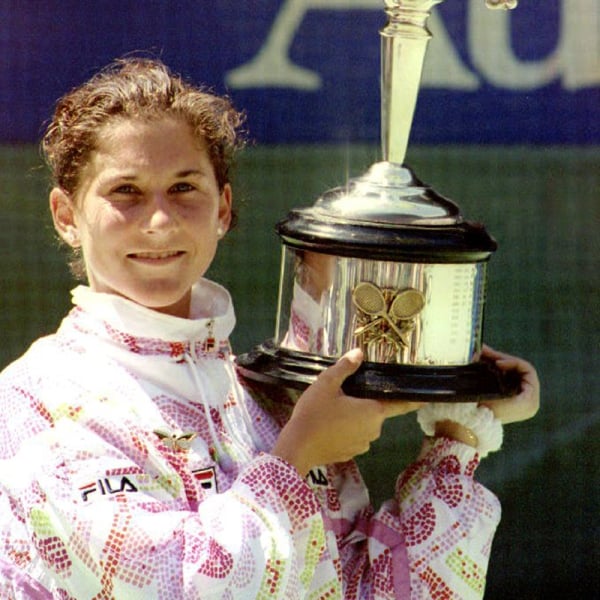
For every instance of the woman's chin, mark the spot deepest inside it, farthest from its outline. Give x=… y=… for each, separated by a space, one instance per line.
x=177 y=305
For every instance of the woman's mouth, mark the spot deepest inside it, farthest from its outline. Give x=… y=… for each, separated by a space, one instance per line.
x=156 y=256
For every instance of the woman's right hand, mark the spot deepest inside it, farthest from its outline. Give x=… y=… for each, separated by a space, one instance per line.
x=327 y=426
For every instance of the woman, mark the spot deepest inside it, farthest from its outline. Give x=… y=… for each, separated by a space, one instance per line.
x=133 y=464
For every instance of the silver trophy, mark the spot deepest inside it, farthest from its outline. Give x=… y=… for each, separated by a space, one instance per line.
x=386 y=264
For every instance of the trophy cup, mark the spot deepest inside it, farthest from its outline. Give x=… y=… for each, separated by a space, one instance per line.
x=385 y=263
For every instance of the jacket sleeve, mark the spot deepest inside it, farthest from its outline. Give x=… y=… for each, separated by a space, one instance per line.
x=432 y=540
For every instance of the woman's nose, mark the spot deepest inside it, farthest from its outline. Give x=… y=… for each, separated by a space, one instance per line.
x=160 y=215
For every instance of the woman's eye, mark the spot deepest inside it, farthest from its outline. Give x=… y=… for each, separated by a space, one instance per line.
x=179 y=188
x=125 y=189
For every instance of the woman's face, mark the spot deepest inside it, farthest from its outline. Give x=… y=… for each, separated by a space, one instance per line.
x=148 y=213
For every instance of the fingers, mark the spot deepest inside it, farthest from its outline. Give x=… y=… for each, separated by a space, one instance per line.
x=345 y=366
x=506 y=362
x=526 y=403
x=492 y=354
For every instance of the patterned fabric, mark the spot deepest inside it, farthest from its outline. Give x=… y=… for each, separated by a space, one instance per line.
x=133 y=464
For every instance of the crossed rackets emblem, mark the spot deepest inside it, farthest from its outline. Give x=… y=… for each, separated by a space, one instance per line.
x=386 y=313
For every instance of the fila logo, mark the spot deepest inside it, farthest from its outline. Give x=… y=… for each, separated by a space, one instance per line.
x=106 y=486
x=121 y=484
x=206 y=478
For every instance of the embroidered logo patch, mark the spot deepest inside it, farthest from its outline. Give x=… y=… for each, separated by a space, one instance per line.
x=206 y=478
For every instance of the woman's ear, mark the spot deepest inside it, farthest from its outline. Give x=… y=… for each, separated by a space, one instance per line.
x=225 y=209
x=63 y=215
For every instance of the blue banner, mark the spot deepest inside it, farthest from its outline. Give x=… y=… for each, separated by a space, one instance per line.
x=308 y=70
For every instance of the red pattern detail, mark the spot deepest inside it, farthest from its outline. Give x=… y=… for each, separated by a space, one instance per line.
x=449 y=465
x=408 y=474
x=279 y=487
x=176 y=350
x=420 y=526
x=219 y=562
x=333 y=501
x=382 y=573
x=113 y=548
x=272 y=570
x=438 y=590
x=36 y=404
x=54 y=553
x=16 y=509
x=447 y=485
x=471 y=466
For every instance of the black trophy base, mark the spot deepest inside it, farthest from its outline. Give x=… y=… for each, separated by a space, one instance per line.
x=474 y=382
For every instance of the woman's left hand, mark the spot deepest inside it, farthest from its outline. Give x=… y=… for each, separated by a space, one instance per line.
x=526 y=402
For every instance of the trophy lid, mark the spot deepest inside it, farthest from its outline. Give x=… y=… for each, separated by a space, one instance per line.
x=388 y=195
x=387 y=214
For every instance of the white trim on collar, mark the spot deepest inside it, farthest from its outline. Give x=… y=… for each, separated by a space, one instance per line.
x=210 y=302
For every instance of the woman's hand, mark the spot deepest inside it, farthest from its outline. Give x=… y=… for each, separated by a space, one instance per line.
x=526 y=403
x=328 y=426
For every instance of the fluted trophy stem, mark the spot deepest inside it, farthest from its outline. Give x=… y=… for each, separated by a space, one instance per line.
x=404 y=41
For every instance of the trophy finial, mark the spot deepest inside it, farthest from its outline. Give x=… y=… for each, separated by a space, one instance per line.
x=403 y=44
x=404 y=41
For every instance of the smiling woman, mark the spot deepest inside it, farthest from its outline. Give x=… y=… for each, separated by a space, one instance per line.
x=147 y=213
x=129 y=94
x=200 y=486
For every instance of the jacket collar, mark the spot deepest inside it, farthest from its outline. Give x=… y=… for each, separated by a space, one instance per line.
x=147 y=331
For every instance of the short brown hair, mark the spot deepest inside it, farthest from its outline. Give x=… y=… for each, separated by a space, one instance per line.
x=137 y=88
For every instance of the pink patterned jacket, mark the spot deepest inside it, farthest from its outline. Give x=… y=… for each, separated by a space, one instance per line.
x=133 y=464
